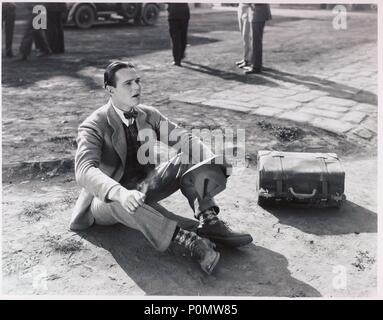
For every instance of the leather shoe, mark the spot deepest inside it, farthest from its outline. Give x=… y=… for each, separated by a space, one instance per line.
x=220 y=233
x=250 y=70
x=243 y=65
x=203 y=251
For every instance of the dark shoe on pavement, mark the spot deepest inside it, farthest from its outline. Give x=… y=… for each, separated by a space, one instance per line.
x=177 y=63
x=243 y=65
x=250 y=70
x=218 y=232
x=203 y=251
x=42 y=54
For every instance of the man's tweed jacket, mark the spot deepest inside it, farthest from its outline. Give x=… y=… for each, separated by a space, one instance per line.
x=101 y=153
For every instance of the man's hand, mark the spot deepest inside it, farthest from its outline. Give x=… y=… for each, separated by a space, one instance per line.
x=130 y=200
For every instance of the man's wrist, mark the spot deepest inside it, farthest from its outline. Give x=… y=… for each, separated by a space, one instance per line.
x=114 y=193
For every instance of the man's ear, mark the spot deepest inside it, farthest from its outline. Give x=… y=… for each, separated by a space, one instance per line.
x=109 y=89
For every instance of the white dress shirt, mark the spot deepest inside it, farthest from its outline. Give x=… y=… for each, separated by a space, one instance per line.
x=120 y=113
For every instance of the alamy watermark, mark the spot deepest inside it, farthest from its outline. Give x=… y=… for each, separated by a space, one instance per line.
x=340 y=20
x=339 y=281
x=40 y=20
x=229 y=143
x=36 y=276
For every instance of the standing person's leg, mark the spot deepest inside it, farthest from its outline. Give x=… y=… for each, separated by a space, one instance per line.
x=239 y=17
x=257 y=46
x=41 y=42
x=240 y=26
x=27 y=40
x=247 y=44
x=9 y=16
x=51 y=31
x=173 y=31
x=184 y=37
x=178 y=42
x=55 y=32
x=60 y=33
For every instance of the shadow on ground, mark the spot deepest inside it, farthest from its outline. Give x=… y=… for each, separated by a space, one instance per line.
x=70 y=64
x=351 y=218
x=334 y=89
x=249 y=271
x=242 y=78
x=97 y=46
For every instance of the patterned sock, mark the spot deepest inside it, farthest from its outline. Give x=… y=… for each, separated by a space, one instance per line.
x=185 y=238
x=208 y=216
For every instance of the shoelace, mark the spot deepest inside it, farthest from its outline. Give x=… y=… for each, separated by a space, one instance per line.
x=227 y=225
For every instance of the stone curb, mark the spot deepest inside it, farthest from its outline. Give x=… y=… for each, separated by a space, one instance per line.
x=262 y=114
x=30 y=169
x=274 y=113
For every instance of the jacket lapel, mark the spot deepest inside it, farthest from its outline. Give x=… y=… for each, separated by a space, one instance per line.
x=118 y=135
x=141 y=122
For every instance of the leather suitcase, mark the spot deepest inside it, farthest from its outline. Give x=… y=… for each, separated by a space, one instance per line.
x=298 y=177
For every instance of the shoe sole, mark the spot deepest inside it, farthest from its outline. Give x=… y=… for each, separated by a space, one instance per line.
x=213 y=264
x=253 y=72
x=233 y=242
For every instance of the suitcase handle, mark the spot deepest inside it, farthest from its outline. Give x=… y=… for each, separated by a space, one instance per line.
x=302 y=195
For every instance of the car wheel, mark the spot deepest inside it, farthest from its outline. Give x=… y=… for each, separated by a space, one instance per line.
x=130 y=10
x=84 y=16
x=150 y=13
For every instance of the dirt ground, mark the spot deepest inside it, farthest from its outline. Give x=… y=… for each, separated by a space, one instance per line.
x=296 y=252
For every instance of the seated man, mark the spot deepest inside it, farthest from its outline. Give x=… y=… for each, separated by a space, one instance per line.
x=119 y=187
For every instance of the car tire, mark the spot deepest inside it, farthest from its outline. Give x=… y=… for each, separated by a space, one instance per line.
x=150 y=13
x=84 y=17
x=130 y=10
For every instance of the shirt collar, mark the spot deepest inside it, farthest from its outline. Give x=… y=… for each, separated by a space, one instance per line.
x=120 y=113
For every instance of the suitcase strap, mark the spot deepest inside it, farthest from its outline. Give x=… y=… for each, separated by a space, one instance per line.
x=279 y=177
x=324 y=175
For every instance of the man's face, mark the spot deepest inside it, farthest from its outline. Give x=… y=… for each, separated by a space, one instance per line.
x=127 y=92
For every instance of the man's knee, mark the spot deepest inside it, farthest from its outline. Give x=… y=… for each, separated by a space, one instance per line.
x=102 y=213
x=207 y=180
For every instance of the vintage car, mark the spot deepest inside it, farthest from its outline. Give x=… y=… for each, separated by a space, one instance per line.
x=85 y=15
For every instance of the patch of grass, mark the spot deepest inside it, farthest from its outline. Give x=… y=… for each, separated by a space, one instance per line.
x=363 y=260
x=34 y=210
x=70 y=198
x=65 y=246
x=64 y=139
x=284 y=134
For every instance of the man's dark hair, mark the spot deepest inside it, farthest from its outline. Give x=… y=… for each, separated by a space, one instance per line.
x=110 y=72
